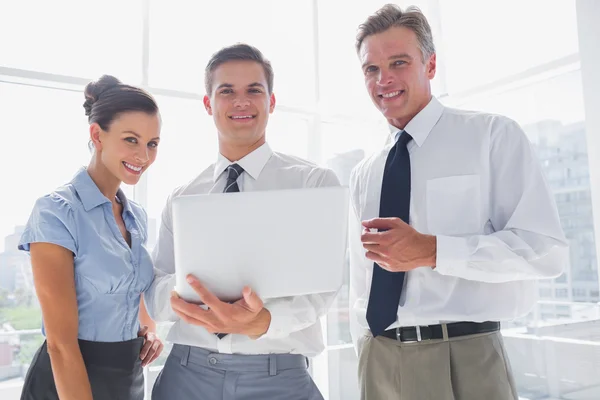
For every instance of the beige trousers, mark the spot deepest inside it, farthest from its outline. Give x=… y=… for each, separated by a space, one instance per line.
x=471 y=367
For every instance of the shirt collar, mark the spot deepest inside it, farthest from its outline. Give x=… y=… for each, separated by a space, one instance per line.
x=421 y=125
x=91 y=197
x=252 y=163
x=123 y=199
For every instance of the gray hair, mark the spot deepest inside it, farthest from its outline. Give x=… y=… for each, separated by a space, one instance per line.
x=392 y=15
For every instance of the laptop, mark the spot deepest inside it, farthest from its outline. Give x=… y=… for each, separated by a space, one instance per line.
x=280 y=243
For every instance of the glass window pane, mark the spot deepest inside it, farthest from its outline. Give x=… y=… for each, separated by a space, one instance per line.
x=72 y=37
x=44 y=143
x=344 y=143
x=41 y=126
x=185 y=33
x=343 y=367
x=481 y=50
x=288 y=133
x=188 y=145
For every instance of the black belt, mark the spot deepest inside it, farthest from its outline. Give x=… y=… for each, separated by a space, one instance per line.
x=429 y=332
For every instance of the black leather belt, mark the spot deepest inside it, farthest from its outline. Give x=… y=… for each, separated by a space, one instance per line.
x=429 y=332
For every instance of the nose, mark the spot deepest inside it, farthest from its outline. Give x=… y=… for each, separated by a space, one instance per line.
x=241 y=102
x=142 y=156
x=384 y=78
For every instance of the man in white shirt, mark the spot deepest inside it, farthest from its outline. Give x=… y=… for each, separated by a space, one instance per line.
x=247 y=349
x=453 y=224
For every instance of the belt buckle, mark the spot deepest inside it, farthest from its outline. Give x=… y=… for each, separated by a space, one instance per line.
x=420 y=338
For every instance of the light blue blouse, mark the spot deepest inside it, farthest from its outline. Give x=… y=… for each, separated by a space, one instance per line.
x=109 y=275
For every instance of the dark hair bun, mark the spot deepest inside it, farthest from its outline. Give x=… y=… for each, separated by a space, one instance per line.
x=94 y=90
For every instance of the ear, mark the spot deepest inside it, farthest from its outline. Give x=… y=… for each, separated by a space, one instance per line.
x=431 y=66
x=207 y=105
x=95 y=136
x=272 y=102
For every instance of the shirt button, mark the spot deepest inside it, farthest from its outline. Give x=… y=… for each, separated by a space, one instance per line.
x=212 y=360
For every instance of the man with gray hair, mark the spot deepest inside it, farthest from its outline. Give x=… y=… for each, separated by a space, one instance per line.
x=453 y=224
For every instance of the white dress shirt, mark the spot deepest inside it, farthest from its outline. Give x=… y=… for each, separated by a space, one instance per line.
x=476 y=185
x=295 y=321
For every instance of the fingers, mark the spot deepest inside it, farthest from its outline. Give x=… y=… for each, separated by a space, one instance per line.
x=373 y=237
x=206 y=296
x=158 y=350
x=375 y=248
x=145 y=349
x=191 y=313
x=381 y=223
x=253 y=302
x=152 y=352
x=143 y=330
x=379 y=259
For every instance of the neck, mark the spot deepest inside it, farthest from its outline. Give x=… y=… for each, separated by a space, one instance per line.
x=401 y=123
x=235 y=152
x=103 y=178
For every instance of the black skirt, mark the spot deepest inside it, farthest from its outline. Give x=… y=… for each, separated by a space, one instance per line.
x=114 y=370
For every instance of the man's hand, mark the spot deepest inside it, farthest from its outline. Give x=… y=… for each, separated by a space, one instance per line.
x=246 y=316
x=152 y=348
x=397 y=246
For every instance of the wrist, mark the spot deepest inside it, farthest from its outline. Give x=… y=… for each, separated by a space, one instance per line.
x=430 y=253
x=260 y=325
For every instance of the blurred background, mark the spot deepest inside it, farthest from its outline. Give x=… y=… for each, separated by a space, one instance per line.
x=535 y=61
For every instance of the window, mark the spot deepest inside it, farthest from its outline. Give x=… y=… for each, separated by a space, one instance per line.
x=476 y=54
x=64 y=37
x=183 y=37
x=533 y=74
x=39 y=127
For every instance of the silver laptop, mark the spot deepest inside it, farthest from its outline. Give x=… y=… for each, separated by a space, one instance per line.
x=280 y=243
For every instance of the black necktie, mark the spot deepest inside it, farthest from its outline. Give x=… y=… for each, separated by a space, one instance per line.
x=386 y=286
x=233 y=173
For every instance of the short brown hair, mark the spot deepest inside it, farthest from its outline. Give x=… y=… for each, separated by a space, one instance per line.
x=392 y=15
x=237 y=52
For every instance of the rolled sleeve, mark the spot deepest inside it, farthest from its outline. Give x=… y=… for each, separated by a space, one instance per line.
x=281 y=321
x=528 y=242
x=295 y=313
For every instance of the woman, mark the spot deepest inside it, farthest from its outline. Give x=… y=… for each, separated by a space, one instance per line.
x=90 y=264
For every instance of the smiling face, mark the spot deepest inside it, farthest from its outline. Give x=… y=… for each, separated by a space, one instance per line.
x=240 y=103
x=396 y=76
x=129 y=146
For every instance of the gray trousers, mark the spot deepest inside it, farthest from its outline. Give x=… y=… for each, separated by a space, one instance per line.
x=198 y=374
x=473 y=367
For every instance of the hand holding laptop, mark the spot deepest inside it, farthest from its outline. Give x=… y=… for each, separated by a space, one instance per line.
x=246 y=316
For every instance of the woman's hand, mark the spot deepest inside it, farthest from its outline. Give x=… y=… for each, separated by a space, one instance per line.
x=152 y=348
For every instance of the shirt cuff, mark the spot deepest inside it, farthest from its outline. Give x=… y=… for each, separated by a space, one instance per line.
x=158 y=300
x=281 y=321
x=452 y=255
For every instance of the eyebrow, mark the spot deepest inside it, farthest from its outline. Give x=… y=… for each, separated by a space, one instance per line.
x=229 y=85
x=138 y=136
x=256 y=84
x=394 y=57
